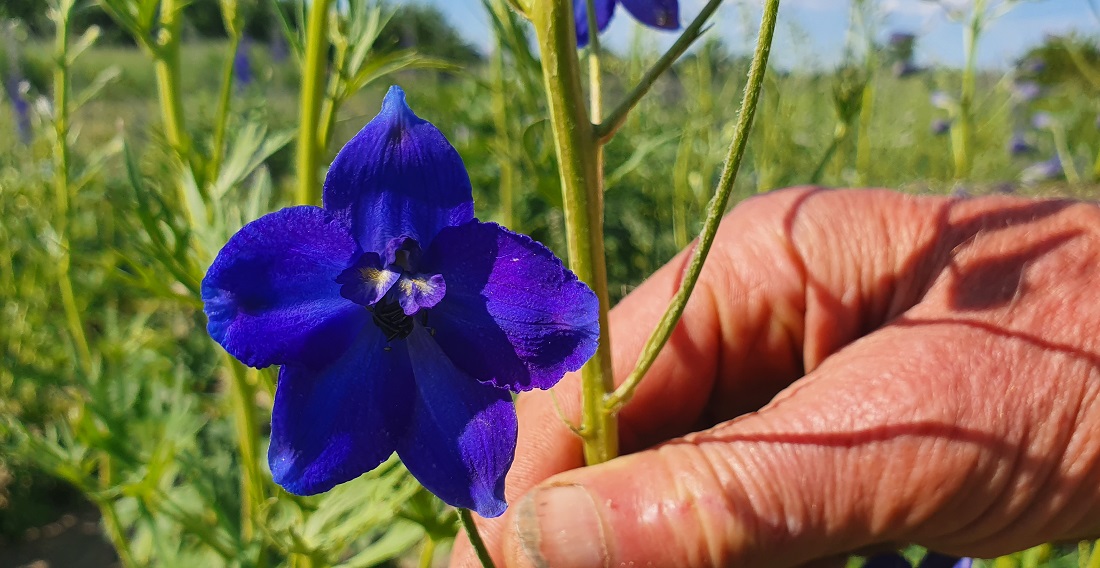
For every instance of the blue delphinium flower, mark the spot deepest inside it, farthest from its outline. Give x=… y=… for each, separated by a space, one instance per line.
x=242 y=64
x=940 y=126
x=1026 y=91
x=663 y=14
x=1042 y=120
x=1018 y=145
x=1045 y=170
x=400 y=320
x=20 y=108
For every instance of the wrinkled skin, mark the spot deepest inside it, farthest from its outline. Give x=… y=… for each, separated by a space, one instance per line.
x=856 y=369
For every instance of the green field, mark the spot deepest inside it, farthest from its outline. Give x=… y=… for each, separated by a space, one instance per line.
x=142 y=415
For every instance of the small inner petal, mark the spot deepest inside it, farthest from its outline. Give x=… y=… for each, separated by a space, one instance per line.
x=420 y=292
x=366 y=282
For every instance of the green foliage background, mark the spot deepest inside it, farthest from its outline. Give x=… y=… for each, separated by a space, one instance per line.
x=149 y=436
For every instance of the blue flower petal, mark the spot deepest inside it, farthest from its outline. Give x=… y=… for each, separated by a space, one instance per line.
x=332 y=425
x=463 y=433
x=664 y=14
x=604 y=10
x=513 y=316
x=398 y=177
x=271 y=295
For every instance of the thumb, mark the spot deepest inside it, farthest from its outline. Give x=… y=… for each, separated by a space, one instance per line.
x=850 y=456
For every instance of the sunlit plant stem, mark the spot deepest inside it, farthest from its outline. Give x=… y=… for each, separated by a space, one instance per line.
x=962 y=134
x=715 y=210
x=221 y=119
x=63 y=197
x=575 y=144
x=312 y=96
x=166 y=66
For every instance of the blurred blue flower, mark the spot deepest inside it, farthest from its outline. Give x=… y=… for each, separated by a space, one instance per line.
x=1031 y=66
x=20 y=108
x=901 y=39
x=905 y=69
x=1026 y=91
x=1042 y=120
x=242 y=65
x=1018 y=145
x=941 y=126
x=940 y=99
x=662 y=14
x=1046 y=170
x=400 y=320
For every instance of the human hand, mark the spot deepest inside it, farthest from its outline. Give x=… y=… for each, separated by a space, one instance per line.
x=855 y=369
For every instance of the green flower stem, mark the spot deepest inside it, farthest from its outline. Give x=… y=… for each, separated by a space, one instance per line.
x=63 y=197
x=242 y=400
x=715 y=210
x=312 y=95
x=113 y=527
x=595 y=82
x=1094 y=558
x=1096 y=168
x=609 y=126
x=1064 y=155
x=866 y=112
x=468 y=525
x=575 y=144
x=962 y=135
x=166 y=66
x=222 y=115
x=427 y=553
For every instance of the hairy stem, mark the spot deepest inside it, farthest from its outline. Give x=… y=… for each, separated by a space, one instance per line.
x=475 y=538
x=166 y=65
x=242 y=400
x=575 y=145
x=609 y=126
x=222 y=116
x=715 y=210
x=962 y=135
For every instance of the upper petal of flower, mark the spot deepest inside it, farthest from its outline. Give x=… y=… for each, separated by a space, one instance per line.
x=398 y=177
x=513 y=316
x=604 y=10
x=463 y=433
x=664 y=14
x=271 y=294
x=331 y=425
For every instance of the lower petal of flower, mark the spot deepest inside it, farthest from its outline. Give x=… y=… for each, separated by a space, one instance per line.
x=463 y=433
x=331 y=425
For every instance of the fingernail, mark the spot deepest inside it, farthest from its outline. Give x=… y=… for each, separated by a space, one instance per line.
x=559 y=527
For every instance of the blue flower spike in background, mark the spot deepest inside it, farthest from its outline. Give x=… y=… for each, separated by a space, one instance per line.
x=401 y=322
x=661 y=14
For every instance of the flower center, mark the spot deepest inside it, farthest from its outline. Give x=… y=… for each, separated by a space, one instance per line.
x=391 y=288
x=391 y=319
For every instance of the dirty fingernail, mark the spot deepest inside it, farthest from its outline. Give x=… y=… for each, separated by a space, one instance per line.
x=559 y=527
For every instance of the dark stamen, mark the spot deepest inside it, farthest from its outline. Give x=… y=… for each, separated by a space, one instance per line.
x=391 y=319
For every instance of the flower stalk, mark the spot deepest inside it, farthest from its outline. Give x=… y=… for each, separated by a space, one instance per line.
x=166 y=67
x=468 y=525
x=63 y=190
x=962 y=135
x=575 y=143
x=222 y=114
x=715 y=210
x=312 y=96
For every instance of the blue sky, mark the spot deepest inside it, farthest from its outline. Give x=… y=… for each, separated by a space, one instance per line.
x=811 y=32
